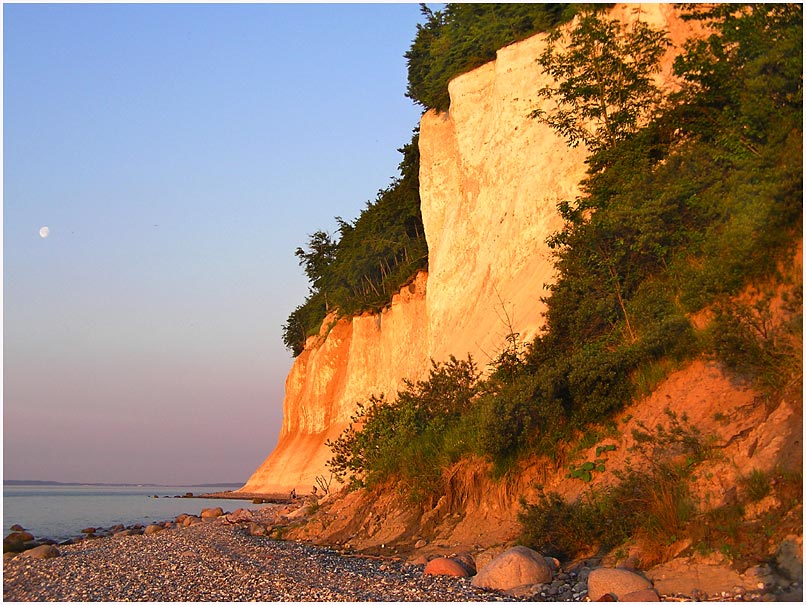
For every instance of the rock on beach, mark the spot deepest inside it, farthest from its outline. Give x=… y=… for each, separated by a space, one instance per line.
x=516 y=567
x=45 y=551
x=442 y=566
x=615 y=581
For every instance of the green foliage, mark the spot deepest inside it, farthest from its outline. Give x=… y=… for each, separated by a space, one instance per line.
x=687 y=201
x=565 y=530
x=604 y=88
x=756 y=484
x=655 y=504
x=465 y=36
x=747 y=340
x=412 y=437
x=370 y=259
x=522 y=414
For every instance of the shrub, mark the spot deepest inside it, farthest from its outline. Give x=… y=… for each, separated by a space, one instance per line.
x=411 y=438
x=748 y=341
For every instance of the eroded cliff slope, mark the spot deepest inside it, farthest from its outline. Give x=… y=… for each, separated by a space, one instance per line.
x=491 y=179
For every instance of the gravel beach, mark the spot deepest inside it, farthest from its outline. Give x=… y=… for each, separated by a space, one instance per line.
x=219 y=562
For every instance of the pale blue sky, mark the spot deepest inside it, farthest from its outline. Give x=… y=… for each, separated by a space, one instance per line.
x=179 y=154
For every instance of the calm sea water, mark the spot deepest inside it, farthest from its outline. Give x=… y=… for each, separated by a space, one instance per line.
x=62 y=511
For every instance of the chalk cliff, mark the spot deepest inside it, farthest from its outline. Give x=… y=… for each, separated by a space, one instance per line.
x=490 y=180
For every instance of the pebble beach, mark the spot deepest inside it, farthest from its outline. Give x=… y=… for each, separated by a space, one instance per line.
x=228 y=557
x=216 y=561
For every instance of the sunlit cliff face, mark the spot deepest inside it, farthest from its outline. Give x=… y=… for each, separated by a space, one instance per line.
x=490 y=181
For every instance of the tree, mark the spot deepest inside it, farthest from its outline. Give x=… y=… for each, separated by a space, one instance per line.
x=318 y=257
x=603 y=80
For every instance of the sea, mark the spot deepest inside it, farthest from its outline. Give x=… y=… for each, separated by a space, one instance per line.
x=62 y=511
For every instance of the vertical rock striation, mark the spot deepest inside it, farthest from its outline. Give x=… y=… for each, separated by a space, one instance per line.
x=490 y=181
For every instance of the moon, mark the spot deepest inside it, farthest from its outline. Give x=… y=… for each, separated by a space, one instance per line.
x=44 y=232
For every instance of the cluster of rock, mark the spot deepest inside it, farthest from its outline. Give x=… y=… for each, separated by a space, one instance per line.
x=22 y=542
x=523 y=572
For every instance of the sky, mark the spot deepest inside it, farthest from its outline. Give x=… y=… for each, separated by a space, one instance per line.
x=178 y=154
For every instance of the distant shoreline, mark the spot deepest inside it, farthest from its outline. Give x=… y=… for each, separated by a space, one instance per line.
x=20 y=482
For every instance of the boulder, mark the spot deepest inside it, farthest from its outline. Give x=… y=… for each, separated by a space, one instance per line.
x=191 y=520
x=152 y=529
x=256 y=529
x=615 y=581
x=442 y=566
x=212 y=513
x=516 y=567
x=181 y=518
x=789 y=557
x=554 y=564
x=123 y=533
x=646 y=595
x=240 y=515
x=17 y=527
x=45 y=551
x=17 y=541
x=465 y=559
x=88 y=530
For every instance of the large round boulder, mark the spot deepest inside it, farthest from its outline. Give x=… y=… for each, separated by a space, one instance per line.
x=615 y=581
x=445 y=567
x=518 y=566
x=152 y=529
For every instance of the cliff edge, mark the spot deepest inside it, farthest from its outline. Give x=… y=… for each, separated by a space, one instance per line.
x=490 y=181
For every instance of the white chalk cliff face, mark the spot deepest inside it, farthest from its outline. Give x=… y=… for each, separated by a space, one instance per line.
x=490 y=181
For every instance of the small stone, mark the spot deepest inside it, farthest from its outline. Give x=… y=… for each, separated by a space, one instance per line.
x=420 y=543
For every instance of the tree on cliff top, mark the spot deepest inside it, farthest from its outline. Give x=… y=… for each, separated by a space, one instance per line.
x=603 y=80
x=465 y=36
